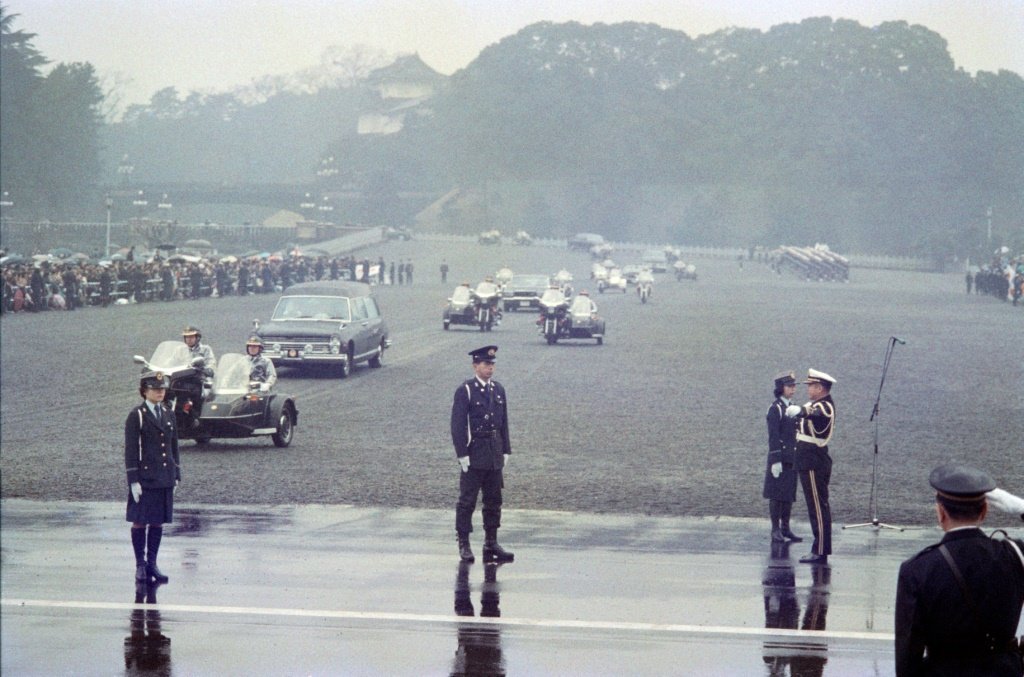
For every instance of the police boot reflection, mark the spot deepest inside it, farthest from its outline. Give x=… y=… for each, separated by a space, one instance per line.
x=147 y=651
x=811 y=663
x=479 y=651
x=781 y=609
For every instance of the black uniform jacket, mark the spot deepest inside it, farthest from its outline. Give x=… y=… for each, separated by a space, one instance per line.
x=151 y=449
x=480 y=424
x=781 y=449
x=815 y=425
x=931 y=611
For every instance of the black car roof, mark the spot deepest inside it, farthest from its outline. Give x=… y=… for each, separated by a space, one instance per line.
x=328 y=288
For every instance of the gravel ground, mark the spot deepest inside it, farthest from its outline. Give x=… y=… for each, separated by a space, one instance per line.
x=666 y=418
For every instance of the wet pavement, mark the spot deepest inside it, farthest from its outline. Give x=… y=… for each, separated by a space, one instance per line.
x=323 y=590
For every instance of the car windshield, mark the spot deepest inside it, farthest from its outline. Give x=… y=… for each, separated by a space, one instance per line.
x=655 y=256
x=170 y=355
x=312 y=308
x=461 y=294
x=530 y=281
x=232 y=375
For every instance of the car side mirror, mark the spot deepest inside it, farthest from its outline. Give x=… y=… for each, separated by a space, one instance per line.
x=138 y=359
x=255 y=324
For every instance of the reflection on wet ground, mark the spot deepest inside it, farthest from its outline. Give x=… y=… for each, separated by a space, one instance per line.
x=324 y=586
x=147 y=650
x=479 y=646
x=803 y=658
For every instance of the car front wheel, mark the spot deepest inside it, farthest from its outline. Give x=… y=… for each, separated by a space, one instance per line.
x=375 y=360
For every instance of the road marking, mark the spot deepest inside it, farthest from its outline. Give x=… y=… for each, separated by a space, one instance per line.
x=675 y=628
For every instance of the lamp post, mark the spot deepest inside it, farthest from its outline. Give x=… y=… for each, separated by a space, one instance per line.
x=307 y=205
x=125 y=169
x=165 y=205
x=141 y=202
x=325 y=209
x=109 y=202
x=988 y=217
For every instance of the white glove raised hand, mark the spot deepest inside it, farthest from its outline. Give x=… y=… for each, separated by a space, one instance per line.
x=136 y=491
x=776 y=469
x=793 y=410
x=1004 y=501
x=506 y=460
x=264 y=387
x=464 y=462
x=176 y=483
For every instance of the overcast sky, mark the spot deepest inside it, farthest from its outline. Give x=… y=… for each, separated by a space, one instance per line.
x=219 y=44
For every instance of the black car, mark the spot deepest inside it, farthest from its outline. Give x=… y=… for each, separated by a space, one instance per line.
x=523 y=292
x=326 y=323
x=392 y=233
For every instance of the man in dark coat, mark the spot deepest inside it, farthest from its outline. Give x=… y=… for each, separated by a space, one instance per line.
x=153 y=469
x=816 y=423
x=780 y=475
x=479 y=426
x=958 y=602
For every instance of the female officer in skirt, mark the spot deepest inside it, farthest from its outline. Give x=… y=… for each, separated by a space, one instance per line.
x=151 y=463
x=780 y=476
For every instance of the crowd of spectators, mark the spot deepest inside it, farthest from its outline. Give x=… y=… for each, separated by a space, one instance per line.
x=69 y=284
x=1003 y=279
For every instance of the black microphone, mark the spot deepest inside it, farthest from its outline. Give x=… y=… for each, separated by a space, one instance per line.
x=898 y=340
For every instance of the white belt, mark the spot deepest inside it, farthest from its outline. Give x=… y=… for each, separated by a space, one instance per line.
x=800 y=437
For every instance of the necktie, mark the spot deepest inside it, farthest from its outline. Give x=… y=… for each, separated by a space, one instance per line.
x=159 y=414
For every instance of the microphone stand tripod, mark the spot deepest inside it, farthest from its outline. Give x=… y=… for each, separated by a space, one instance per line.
x=873 y=501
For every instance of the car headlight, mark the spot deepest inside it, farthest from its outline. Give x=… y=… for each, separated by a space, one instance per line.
x=335 y=345
x=308 y=348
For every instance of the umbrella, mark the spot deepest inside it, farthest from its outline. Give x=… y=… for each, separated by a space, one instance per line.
x=169 y=246
x=80 y=256
x=61 y=252
x=13 y=258
x=41 y=257
x=118 y=257
x=229 y=259
x=274 y=257
x=265 y=255
x=198 y=244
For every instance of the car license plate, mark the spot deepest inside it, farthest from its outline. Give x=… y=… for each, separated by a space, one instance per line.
x=292 y=352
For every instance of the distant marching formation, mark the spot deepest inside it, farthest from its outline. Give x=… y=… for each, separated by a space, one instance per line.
x=811 y=263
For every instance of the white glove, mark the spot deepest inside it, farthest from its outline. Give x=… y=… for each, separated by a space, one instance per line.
x=264 y=387
x=776 y=469
x=176 y=483
x=464 y=462
x=136 y=491
x=506 y=460
x=1004 y=501
x=793 y=410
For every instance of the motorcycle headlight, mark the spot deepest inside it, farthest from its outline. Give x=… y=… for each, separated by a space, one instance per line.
x=335 y=345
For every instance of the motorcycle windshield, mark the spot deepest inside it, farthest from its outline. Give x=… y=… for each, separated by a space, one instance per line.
x=169 y=355
x=486 y=290
x=553 y=297
x=232 y=375
x=312 y=308
x=461 y=296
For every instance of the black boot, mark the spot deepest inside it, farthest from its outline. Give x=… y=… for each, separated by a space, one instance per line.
x=139 y=546
x=465 y=552
x=494 y=552
x=152 y=548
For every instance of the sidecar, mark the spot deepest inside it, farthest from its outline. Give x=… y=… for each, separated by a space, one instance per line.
x=461 y=308
x=584 y=322
x=236 y=409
